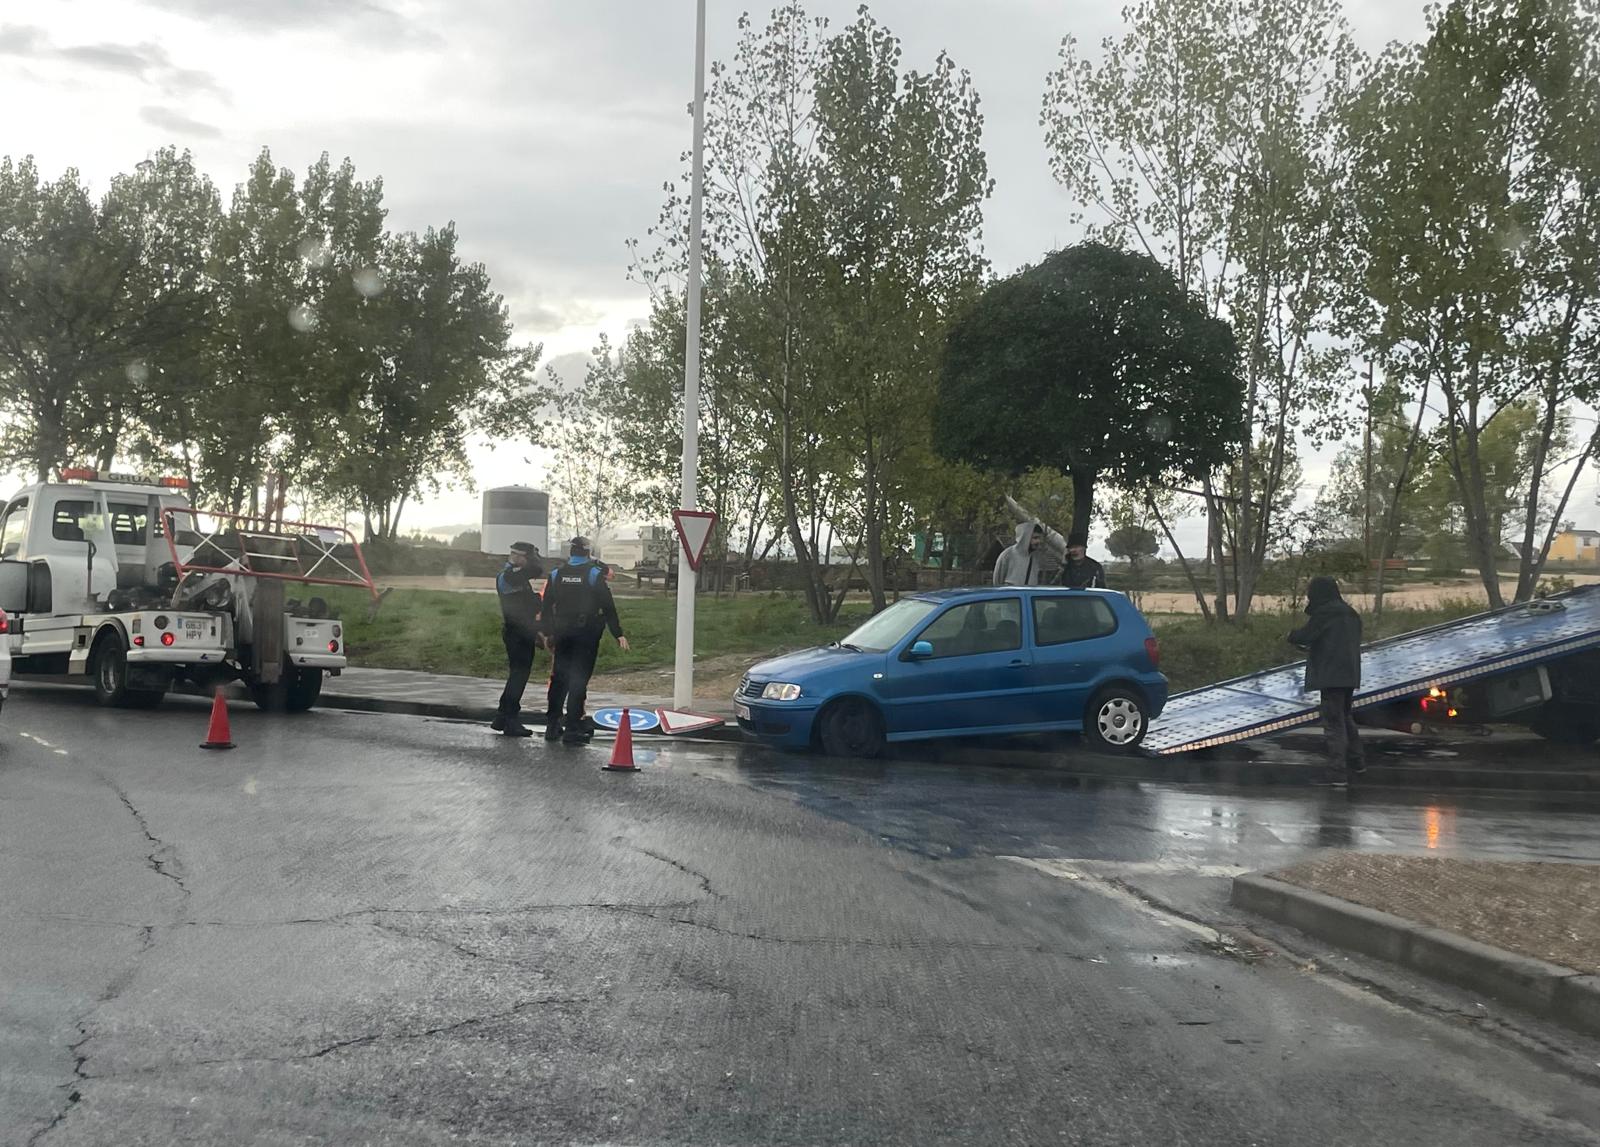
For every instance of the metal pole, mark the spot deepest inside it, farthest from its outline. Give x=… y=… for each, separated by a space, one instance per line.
x=683 y=664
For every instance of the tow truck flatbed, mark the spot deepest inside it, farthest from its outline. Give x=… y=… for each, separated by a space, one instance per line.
x=1453 y=654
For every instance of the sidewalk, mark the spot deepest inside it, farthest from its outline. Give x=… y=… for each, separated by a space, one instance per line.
x=470 y=698
x=1524 y=933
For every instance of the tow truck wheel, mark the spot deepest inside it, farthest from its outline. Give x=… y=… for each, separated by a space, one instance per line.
x=1563 y=723
x=295 y=691
x=109 y=670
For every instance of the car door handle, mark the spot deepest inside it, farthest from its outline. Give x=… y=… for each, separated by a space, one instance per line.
x=1016 y=665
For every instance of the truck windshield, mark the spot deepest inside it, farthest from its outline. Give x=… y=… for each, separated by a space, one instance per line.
x=881 y=633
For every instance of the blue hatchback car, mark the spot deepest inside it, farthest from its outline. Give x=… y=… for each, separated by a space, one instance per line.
x=962 y=663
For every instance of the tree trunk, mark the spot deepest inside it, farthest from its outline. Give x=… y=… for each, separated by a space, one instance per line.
x=1083 y=482
x=1188 y=570
x=1214 y=547
x=874 y=531
x=1391 y=524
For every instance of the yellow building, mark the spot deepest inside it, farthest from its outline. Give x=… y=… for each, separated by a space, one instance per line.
x=1580 y=547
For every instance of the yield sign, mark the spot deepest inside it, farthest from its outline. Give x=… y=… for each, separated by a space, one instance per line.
x=682 y=721
x=694 y=531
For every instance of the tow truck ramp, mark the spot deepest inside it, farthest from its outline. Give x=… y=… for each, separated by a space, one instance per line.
x=1395 y=669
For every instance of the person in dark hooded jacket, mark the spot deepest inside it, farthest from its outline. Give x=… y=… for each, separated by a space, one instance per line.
x=1331 y=638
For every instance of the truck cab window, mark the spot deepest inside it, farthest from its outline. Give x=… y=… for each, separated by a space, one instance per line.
x=14 y=529
x=75 y=520
x=129 y=523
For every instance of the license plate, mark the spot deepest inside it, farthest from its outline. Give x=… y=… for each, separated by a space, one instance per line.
x=743 y=712
x=194 y=630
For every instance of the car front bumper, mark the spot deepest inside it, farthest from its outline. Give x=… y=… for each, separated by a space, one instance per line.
x=783 y=724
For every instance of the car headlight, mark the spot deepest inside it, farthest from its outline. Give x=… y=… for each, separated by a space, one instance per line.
x=777 y=691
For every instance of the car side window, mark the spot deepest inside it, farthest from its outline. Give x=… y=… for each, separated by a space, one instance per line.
x=978 y=627
x=14 y=531
x=1058 y=620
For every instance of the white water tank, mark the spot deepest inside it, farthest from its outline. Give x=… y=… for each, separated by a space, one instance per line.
x=515 y=514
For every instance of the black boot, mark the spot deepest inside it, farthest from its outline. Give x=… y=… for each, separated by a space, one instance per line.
x=513 y=727
x=552 y=731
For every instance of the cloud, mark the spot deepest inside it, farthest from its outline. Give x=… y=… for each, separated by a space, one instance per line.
x=20 y=39
x=169 y=119
x=147 y=62
x=377 y=22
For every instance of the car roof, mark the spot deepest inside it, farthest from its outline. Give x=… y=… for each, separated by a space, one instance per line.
x=943 y=595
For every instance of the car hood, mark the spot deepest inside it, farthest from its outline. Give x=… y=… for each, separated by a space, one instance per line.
x=797 y=668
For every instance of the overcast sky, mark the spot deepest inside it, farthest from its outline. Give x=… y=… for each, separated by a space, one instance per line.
x=544 y=129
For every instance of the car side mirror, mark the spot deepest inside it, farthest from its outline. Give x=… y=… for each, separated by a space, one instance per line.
x=920 y=650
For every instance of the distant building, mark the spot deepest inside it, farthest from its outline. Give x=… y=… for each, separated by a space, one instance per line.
x=515 y=514
x=653 y=544
x=1581 y=547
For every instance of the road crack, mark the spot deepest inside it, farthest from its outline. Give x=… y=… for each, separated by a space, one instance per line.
x=162 y=858
x=705 y=881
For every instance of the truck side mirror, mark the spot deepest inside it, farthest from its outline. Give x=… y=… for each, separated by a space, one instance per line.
x=13 y=586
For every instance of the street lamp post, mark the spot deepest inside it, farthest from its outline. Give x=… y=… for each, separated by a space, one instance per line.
x=683 y=666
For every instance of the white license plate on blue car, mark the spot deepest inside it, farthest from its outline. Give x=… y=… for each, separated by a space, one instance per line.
x=742 y=711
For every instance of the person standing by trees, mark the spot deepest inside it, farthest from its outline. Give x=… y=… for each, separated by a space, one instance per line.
x=1080 y=571
x=519 y=610
x=1029 y=560
x=578 y=609
x=1332 y=640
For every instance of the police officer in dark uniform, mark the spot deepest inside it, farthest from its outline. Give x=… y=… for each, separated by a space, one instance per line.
x=1080 y=571
x=519 y=609
x=578 y=608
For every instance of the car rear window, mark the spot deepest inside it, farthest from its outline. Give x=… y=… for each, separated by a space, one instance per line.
x=1058 y=620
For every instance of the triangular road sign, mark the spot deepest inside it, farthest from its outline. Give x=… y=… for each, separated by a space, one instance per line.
x=682 y=721
x=694 y=531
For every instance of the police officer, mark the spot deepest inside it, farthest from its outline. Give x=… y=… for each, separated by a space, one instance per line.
x=578 y=608
x=519 y=611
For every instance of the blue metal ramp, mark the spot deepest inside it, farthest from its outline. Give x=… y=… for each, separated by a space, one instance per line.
x=1393 y=669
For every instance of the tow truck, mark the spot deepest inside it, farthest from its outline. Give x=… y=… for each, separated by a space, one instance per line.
x=1535 y=664
x=118 y=578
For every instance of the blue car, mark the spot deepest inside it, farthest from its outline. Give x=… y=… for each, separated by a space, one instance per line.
x=965 y=663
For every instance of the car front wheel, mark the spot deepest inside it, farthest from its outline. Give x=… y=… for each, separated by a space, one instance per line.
x=852 y=728
x=1116 y=720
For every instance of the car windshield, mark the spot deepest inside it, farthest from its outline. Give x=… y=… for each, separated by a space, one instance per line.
x=880 y=633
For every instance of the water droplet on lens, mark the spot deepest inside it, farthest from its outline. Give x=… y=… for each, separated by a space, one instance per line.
x=369 y=282
x=314 y=252
x=138 y=371
x=1159 y=427
x=303 y=317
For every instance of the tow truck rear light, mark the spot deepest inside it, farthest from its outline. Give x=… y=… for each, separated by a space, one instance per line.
x=174 y=483
x=333 y=647
x=138 y=640
x=167 y=638
x=79 y=474
x=5 y=622
x=1152 y=647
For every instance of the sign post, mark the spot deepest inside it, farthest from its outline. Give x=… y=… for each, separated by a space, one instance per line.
x=683 y=661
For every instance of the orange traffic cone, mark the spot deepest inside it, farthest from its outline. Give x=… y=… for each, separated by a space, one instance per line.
x=218 y=736
x=622 y=752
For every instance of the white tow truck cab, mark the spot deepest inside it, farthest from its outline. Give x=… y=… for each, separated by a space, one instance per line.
x=119 y=579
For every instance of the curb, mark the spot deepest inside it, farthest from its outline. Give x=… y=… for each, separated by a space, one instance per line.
x=360 y=703
x=1553 y=992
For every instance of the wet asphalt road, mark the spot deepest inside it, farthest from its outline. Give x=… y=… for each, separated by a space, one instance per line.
x=369 y=929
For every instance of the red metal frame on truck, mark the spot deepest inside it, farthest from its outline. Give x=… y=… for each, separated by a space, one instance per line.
x=246 y=527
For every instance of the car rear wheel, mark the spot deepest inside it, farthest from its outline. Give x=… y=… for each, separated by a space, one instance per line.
x=852 y=728
x=1116 y=720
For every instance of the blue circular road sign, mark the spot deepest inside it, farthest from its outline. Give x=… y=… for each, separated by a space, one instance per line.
x=639 y=720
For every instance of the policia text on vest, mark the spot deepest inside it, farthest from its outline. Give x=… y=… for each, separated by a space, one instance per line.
x=578 y=609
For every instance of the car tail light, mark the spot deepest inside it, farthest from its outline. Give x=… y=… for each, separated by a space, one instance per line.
x=167 y=638
x=1152 y=647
